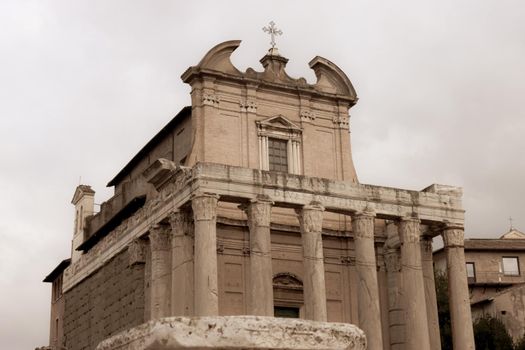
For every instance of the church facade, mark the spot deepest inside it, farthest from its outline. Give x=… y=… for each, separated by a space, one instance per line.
x=248 y=203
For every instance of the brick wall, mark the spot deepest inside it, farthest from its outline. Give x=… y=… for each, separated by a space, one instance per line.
x=107 y=302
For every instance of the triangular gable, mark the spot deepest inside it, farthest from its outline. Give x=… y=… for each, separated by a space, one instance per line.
x=80 y=192
x=513 y=234
x=279 y=122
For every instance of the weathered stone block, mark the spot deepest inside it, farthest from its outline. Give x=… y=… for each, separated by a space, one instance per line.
x=237 y=332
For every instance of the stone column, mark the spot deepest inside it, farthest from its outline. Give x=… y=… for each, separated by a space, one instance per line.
x=430 y=292
x=396 y=309
x=417 y=335
x=369 y=313
x=260 y=297
x=159 y=236
x=182 y=241
x=314 y=288
x=205 y=264
x=459 y=299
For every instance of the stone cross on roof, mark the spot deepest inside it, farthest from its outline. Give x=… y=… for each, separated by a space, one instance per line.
x=273 y=31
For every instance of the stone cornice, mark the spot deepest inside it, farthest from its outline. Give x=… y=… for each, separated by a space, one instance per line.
x=240 y=185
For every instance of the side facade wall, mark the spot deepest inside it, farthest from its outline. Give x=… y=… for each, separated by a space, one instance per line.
x=107 y=302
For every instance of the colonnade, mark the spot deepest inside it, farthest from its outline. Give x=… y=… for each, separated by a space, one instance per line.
x=193 y=259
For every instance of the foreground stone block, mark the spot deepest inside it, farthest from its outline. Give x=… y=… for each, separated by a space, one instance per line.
x=237 y=332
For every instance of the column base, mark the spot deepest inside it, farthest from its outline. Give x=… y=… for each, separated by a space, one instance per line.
x=237 y=332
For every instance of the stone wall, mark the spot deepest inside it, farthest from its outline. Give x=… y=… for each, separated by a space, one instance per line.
x=108 y=301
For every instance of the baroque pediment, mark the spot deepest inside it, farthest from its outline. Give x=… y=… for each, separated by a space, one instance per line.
x=278 y=122
x=331 y=80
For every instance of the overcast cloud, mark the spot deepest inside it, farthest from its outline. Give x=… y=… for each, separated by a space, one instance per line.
x=84 y=84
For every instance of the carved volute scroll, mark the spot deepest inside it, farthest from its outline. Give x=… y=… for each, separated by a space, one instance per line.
x=159 y=236
x=409 y=230
x=181 y=223
x=311 y=218
x=331 y=78
x=453 y=236
x=204 y=206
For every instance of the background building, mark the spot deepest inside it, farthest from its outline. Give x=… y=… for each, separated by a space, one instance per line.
x=248 y=202
x=496 y=282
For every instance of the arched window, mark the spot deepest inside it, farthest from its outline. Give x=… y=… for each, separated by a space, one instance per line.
x=288 y=295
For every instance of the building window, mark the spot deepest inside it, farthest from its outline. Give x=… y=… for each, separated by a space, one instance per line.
x=286 y=312
x=511 y=266
x=277 y=154
x=471 y=272
x=279 y=145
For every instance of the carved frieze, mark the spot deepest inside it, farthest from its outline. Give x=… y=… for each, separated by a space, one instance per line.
x=347 y=260
x=341 y=121
x=210 y=100
x=249 y=106
x=307 y=115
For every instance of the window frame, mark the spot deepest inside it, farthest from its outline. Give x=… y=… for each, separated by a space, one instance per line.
x=511 y=273
x=471 y=279
x=279 y=127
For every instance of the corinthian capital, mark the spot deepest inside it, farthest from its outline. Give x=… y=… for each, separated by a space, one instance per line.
x=159 y=236
x=453 y=236
x=181 y=223
x=363 y=224
x=204 y=206
x=311 y=218
x=409 y=230
x=259 y=212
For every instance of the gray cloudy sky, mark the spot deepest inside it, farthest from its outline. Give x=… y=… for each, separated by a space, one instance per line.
x=84 y=84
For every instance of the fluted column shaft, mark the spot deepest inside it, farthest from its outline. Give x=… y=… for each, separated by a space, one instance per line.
x=261 y=287
x=182 y=241
x=369 y=313
x=459 y=298
x=205 y=264
x=159 y=236
x=430 y=293
x=314 y=288
x=412 y=271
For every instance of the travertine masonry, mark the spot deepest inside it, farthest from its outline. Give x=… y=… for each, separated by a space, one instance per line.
x=241 y=333
x=111 y=300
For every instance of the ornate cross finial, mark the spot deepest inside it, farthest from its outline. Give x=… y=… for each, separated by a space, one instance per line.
x=273 y=31
x=510 y=220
